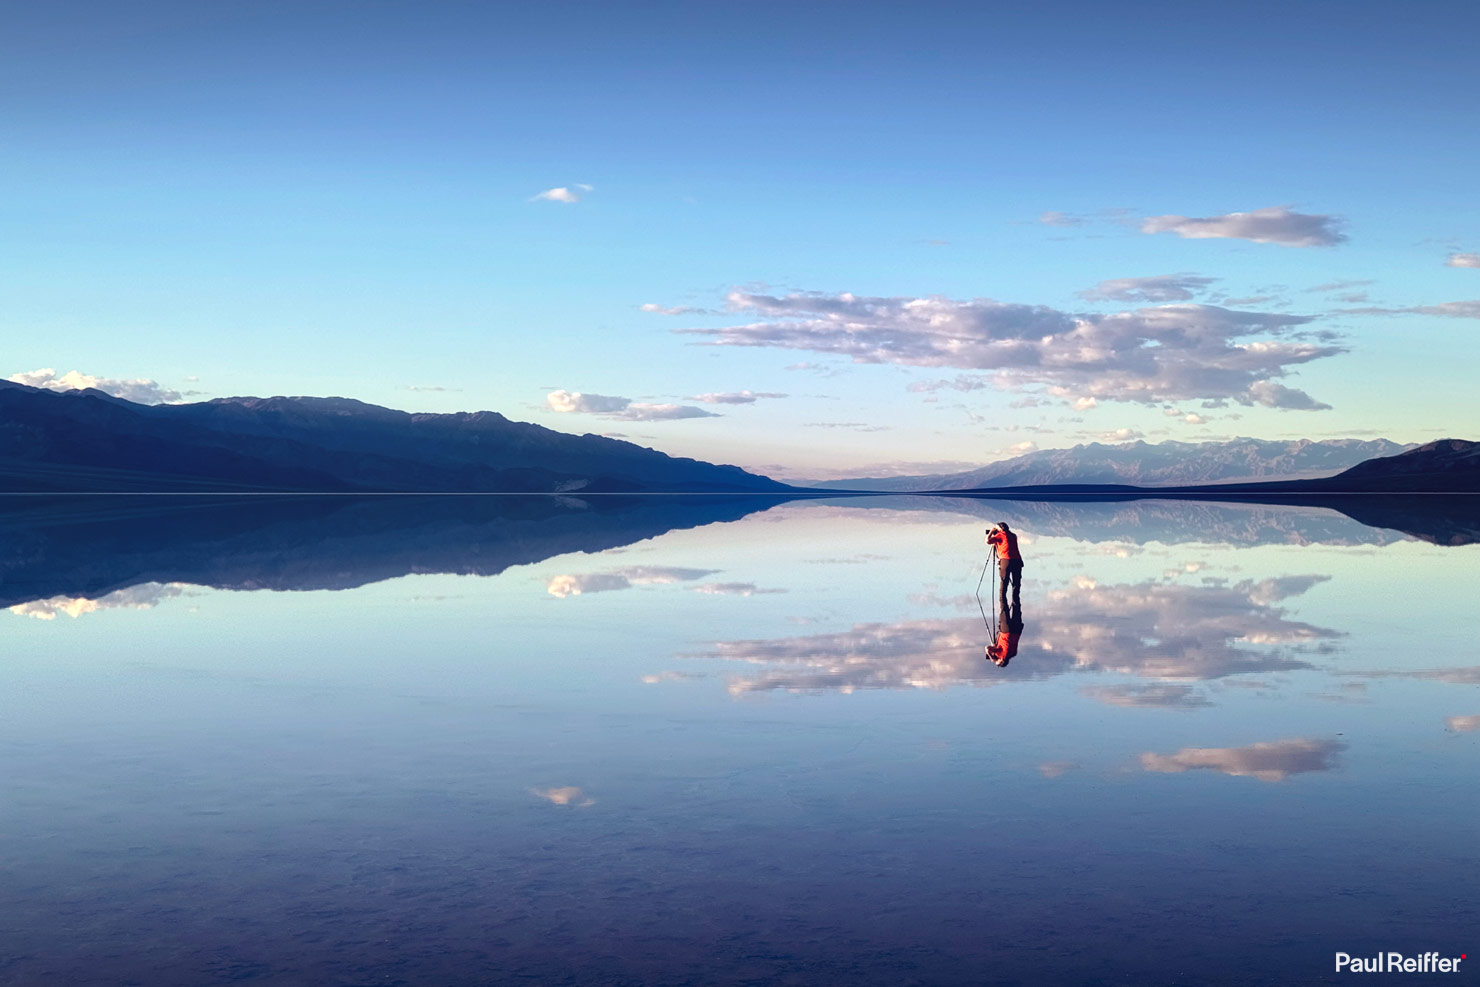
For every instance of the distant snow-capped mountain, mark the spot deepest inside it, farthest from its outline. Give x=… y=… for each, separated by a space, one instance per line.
x=1150 y=465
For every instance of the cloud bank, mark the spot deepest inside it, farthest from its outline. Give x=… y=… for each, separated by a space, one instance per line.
x=1149 y=355
x=139 y=389
x=1273 y=225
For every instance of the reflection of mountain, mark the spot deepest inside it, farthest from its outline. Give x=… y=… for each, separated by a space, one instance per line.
x=89 y=547
x=89 y=441
x=1149 y=465
x=1148 y=630
x=1370 y=520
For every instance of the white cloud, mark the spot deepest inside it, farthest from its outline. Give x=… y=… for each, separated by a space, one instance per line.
x=1157 y=288
x=139 y=389
x=1463 y=260
x=562 y=193
x=1055 y=218
x=624 y=409
x=736 y=397
x=1272 y=225
x=1269 y=761
x=1149 y=355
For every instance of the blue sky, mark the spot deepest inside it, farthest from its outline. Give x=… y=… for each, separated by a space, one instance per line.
x=317 y=198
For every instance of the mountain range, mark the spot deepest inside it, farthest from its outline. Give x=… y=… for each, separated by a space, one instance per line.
x=86 y=440
x=1146 y=464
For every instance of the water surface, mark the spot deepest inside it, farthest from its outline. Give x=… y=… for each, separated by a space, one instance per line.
x=703 y=741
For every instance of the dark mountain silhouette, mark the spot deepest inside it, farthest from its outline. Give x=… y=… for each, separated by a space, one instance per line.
x=87 y=547
x=1148 y=465
x=90 y=441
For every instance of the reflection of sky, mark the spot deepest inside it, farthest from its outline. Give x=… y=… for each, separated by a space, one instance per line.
x=1148 y=630
x=486 y=769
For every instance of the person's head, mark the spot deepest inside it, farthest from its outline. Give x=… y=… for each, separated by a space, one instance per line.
x=1003 y=525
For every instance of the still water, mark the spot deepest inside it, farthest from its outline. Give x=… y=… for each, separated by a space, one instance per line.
x=436 y=741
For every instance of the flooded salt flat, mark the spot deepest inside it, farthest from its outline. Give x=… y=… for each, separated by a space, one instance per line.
x=551 y=741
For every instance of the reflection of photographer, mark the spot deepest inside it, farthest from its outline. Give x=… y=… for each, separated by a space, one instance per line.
x=1002 y=651
x=1009 y=563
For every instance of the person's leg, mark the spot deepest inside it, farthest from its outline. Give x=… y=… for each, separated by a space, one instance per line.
x=1017 y=583
x=1004 y=572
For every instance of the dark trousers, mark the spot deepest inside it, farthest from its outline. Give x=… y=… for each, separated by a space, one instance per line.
x=1010 y=570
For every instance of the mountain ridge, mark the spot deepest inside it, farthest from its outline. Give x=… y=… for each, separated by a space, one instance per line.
x=90 y=441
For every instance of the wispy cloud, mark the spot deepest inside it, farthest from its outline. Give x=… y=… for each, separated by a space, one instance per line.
x=1273 y=225
x=1149 y=355
x=563 y=193
x=1054 y=218
x=1156 y=288
x=624 y=409
x=657 y=309
x=1463 y=260
x=1330 y=286
x=1448 y=310
x=734 y=589
x=1268 y=761
x=138 y=389
x=736 y=397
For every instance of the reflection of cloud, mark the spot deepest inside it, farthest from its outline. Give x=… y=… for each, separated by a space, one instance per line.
x=574 y=584
x=1269 y=761
x=669 y=677
x=569 y=795
x=1056 y=769
x=1149 y=630
x=734 y=589
x=1463 y=724
x=1158 y=696
x=1454 y=676
x=141 y=597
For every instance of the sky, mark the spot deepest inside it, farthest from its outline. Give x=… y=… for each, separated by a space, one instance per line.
x=814 y=239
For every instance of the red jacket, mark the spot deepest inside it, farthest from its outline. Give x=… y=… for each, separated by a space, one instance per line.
x=1006 y=543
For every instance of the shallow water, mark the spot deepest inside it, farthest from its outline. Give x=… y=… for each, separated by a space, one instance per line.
x=553 y=742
